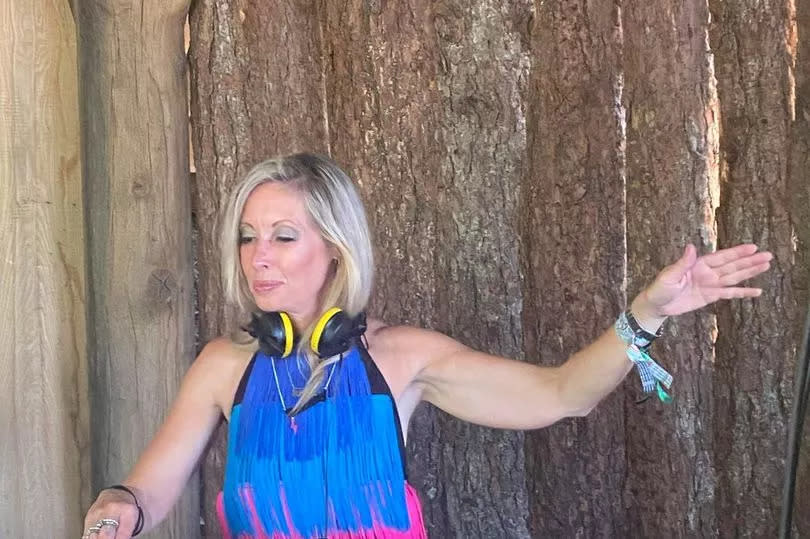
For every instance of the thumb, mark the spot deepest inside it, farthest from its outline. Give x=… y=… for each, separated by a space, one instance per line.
x=678 y=269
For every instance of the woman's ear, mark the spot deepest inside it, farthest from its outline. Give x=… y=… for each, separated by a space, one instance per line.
x=334 y=254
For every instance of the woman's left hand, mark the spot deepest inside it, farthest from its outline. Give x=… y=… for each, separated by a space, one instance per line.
x=696 y=281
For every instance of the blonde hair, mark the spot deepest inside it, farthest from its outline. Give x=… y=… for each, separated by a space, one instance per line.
x=334 y=205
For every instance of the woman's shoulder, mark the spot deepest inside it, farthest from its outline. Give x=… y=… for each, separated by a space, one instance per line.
x=407 y=348
x=404 y=340
x=224 y=361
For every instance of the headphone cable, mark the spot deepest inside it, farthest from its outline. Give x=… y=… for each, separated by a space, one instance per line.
x=796 y=428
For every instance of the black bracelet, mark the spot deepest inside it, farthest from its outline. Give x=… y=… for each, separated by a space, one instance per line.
x=139 y=524
x=640 y=331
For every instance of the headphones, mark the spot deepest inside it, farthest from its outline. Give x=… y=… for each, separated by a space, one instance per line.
x=333 y=334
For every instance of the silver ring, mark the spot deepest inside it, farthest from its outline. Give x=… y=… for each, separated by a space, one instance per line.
x=107 y=522
x=91 y=530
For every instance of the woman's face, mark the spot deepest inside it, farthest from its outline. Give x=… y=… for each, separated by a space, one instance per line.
x=284 y=258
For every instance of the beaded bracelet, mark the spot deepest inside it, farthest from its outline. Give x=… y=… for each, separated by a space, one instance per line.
x=653 y=376
x=140 y=523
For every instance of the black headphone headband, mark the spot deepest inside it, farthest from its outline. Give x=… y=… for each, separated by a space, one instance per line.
x=334 y=332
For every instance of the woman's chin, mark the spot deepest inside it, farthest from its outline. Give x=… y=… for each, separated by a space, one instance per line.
x=267 y=306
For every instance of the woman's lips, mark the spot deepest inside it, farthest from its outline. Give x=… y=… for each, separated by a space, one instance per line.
x=263 y=287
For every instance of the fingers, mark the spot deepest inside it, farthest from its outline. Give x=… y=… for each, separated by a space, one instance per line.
x=731 y=254
x=743 y=274
x=109 y=530
x=743 y=263
x=100 y=520
x=713 y=294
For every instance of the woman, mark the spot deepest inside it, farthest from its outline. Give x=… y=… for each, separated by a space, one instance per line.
x=319 y=399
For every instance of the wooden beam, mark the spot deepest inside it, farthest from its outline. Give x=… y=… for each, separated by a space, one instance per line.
x=135 y=153
x=44 y=462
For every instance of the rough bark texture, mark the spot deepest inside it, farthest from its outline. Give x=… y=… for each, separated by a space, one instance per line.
x=135 y=168
x=572 y=225
x=527 y=169
x=799 y=195
x=756 y=347
x=425 y=106
x=44 y=427
x=256 y=92
x=672 y=193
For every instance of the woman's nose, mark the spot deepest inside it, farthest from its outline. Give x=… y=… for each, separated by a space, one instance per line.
x=263 y=255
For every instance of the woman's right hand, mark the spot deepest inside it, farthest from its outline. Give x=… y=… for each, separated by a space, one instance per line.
x=111 y=505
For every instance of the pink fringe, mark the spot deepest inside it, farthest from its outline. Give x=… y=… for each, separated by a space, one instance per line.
x=416 y=531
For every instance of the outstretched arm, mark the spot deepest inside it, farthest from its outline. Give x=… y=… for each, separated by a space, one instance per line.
x=164 y=467
x=499 y=392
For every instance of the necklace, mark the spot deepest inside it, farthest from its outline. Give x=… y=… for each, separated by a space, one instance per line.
x=293 y=424
x=303 y=376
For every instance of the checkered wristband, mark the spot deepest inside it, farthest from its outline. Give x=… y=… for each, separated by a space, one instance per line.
x=653 y=376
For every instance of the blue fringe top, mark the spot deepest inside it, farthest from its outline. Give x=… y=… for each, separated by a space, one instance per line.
x=336 y=469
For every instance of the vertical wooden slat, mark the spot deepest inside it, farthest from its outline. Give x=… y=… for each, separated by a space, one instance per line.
x=256 y=92
x=44 y=461
x=672 y=194
x=135 y=167
x=572 y=225
x=754 y=48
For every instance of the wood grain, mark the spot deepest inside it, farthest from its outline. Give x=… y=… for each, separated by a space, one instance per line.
x=134 y=118
x=44 y=429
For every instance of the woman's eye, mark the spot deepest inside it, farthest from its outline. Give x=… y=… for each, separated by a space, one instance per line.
x=285 y=239
x=243 y=240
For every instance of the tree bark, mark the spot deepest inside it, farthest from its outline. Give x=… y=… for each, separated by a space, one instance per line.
x=573 y=252
x=798 y=192
x=135 y=167
x=756 y=346
x=425 y=102
x=44 y=460
x=256 y=92
x=527 y=168
x=672 y=194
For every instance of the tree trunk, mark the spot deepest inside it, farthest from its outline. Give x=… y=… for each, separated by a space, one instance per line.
x=425 y=103
x=672 y=193
x=527 y=168
x=135 y=165
x=798 y=192
x=248 y=103
x=44 y=427
x=572 y=217
x=756 y=346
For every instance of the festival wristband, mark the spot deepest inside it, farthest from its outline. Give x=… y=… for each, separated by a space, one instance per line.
x=638 y=340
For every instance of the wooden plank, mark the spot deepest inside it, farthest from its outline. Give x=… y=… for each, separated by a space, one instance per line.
x=44 y=457
x=135 y=157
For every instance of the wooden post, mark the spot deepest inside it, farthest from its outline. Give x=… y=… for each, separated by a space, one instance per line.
x=135 y=155
x=44 y=462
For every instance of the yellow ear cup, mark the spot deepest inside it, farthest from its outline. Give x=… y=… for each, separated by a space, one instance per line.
x=288 y=333
x=315 y=341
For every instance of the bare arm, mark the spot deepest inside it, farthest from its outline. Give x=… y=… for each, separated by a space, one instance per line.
x=499 y=392
x=164 y=467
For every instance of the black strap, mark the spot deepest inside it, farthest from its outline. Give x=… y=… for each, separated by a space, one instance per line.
x=139 y=524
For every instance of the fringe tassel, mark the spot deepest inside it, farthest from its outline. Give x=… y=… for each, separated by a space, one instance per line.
x=278 y=477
